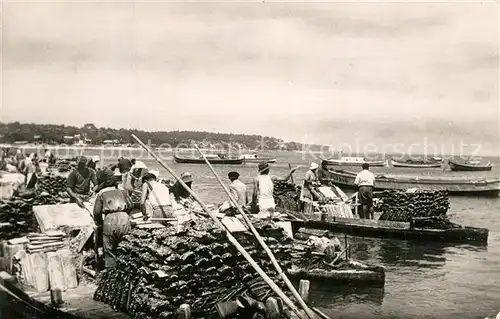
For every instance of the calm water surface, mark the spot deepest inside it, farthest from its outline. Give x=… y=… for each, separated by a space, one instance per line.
x=429 y=280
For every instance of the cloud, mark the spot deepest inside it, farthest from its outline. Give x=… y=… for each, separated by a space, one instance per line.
x=284 y=69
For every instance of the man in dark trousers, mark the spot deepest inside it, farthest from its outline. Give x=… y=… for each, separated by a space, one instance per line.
x=365 y=181
x=115 y=205
x=79 y=182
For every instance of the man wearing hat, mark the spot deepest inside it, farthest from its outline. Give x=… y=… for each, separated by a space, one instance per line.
x=180 y=193
x=311 y=180
x=115 y=205
x=79 y=182
x=263 y=188
x=155 y=200
x=237 y=189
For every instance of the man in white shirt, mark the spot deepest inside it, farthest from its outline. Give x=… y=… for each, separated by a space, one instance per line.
x=365 y=180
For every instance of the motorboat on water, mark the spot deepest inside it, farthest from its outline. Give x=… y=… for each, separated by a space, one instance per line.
x=254 y=158
x=355 y=161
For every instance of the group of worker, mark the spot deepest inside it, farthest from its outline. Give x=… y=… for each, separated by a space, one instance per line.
x=365 y=181
x=28 y=165
x=114 y=186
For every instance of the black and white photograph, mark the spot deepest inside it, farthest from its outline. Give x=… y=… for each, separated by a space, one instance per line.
x=249 y=159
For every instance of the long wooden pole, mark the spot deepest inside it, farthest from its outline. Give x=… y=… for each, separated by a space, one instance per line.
x=291 y=175
x=230 y=237
x=280 y=271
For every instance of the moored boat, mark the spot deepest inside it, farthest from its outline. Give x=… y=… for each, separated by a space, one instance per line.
x=353 y=272
x=212 y=160
x=254 y=158
x=355 y=161
x=391 y=229
x=462 y=186
x=469 y=166
x=415 y=164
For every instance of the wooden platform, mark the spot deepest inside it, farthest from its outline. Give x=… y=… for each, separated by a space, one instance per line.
x=79 y=302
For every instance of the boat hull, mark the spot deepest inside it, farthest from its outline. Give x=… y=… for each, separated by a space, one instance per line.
x=412 y=165
x=229 y=161
x=458 y=187
x=353 y=164
x=258 y=160
x=366 y=275
x=467 y=167
x=383 y=229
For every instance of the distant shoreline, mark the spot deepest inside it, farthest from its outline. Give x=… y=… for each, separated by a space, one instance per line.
x=42 y=147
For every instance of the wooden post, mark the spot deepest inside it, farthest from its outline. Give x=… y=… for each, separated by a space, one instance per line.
x=304 y=289
x=346 y=247
x=56 y=297
x=356 y=204
x=184 y=312
x=272 y=308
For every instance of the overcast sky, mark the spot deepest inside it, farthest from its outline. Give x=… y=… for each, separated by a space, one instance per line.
x=321 y=72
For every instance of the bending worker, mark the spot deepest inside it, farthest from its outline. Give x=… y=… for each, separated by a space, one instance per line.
x=180 y=193
x=115 y=205
x=263 y=188
x=324 y=175
x=78 y=183
x=365 y=181
x=155 y=200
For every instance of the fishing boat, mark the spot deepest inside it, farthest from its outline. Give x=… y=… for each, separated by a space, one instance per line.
x=211 y=159
x=391 y=229
x=254 y=158
x=415 y=164
x=459 y=186
x=355 y=161
x=469 y=166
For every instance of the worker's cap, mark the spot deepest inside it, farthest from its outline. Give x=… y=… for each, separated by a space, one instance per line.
x=151 y=174
x=186 y=177
x=96 y=159
x=233 y=175
x=313 y=166
x=263 y=166
x=140 y=164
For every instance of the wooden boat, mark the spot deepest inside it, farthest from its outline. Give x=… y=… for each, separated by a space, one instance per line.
x=212 y=160
x=469 y=166
x=400 y=230
x=415 y=164
x=354 y=161
x=484 y=187
x=254 y=158
x=357 y=274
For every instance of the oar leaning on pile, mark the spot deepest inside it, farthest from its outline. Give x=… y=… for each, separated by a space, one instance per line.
x=229 y=236
x=259 y=239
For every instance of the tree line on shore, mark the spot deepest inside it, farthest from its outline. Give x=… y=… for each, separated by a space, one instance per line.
x=92 y=135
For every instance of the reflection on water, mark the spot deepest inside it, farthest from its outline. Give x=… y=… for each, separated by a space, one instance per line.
x=327 y=295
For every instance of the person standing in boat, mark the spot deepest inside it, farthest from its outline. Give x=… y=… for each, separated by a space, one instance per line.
x=263 y=187
x=365 y=180
x=115 y=205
